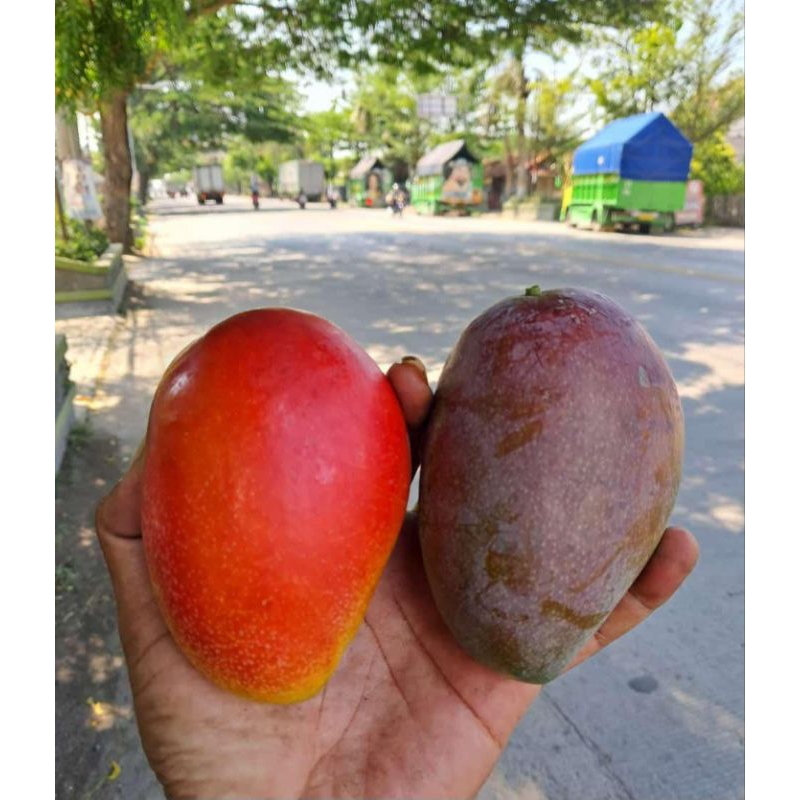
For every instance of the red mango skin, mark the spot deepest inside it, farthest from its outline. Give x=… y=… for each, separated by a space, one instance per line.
x=275 y=485
x=551 y=464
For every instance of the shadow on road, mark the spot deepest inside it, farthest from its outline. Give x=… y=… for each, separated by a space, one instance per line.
x=399 y=293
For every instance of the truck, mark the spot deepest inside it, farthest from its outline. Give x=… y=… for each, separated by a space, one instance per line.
x=301 y=177
x=208 y=183
x=631 y=174
x=693 y=212
x=447 y=180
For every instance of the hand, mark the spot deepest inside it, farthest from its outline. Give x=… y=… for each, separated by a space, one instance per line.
x=406 y=714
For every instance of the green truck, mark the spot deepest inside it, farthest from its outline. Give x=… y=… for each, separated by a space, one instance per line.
x=448 y=179
x=368 y=183
x=632 y=173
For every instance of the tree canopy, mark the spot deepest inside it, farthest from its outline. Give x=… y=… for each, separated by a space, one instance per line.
x=199 y=74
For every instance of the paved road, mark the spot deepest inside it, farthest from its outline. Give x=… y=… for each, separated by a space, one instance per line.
x=660 y=715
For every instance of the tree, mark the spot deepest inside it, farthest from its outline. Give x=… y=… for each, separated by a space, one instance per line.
x=105 y=48
x=102 y=48
x=638 y=70
x=713 y=86
x=714 y=163
x=684 y=67
x=384 y=113
x=324 y=134
x=555 y=132
x=186 y=110
x=517 y=29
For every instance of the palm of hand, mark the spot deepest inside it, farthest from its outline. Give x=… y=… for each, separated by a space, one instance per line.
x=406 y=713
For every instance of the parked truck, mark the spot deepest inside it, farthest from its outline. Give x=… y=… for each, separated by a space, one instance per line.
x=208 y=183
x=301 y=177
x=632 y=173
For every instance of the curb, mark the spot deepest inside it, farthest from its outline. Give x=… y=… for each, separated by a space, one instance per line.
x=108 y=271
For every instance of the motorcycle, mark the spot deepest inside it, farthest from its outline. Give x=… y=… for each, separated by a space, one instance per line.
x=398 y=204
x=254 y=198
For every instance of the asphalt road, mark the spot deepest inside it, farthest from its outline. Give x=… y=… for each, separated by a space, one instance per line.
x=659 y=716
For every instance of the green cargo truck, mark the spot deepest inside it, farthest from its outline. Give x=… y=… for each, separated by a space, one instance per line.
x=632 y=173
x=448 y=179
x=369 y=182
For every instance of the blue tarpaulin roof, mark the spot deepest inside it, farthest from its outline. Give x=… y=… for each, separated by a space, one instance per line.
x=645 y=147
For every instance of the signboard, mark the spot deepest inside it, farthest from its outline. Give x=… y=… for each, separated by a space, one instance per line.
x=436 y=106
x=80 y=196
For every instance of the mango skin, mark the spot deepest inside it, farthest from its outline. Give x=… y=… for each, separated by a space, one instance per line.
x=551 y=465
x=274 y=487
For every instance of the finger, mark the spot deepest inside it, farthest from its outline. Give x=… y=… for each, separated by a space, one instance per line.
x=410 y=383
x=118 y=526
x=409 y=380
x=118 y=513
x=668 y=567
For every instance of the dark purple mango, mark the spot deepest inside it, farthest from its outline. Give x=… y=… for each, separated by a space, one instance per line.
x=550 y=468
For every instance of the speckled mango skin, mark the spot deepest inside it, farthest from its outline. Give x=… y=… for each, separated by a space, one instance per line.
x=275 y=484
x=551 y=465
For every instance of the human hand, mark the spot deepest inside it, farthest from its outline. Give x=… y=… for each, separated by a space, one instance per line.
x=406 y=714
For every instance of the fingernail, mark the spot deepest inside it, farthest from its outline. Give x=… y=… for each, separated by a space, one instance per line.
x=415 y=362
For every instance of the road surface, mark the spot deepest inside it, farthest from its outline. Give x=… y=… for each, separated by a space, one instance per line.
x=659 y=716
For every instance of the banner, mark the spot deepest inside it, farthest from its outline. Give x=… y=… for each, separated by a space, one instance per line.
x=80 y=196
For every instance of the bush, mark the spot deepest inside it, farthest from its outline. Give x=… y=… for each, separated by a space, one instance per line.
x=84 y=244
x=714 y=163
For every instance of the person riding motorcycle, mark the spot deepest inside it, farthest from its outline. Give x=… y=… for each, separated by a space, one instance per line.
x=397 y=199
x=254 y=191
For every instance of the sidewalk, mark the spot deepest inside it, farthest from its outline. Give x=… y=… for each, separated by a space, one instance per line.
x=98 y=752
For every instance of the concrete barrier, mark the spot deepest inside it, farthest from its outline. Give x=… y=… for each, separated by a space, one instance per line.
x=101 y=283
x=65 y=394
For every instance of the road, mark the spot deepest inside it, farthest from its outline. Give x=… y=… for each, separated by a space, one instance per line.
x=659 y=716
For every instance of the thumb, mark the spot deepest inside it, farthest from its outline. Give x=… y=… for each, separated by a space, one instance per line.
x=118 y=526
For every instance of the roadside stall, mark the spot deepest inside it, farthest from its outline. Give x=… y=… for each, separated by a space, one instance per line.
x=448 y=178
x=369 y=181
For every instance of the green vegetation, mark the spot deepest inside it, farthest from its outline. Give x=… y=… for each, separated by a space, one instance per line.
x=220 y=75
x=683 y=65
x=714 y=163
x=85 y=243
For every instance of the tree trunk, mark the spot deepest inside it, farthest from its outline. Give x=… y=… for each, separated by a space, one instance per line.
x=117 y=190
x=508 y=187
x=523 y=178
x=144 y=184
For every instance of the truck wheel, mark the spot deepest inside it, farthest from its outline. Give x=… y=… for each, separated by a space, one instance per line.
x=218 y=201
x=201 y=201
x=644 y=227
